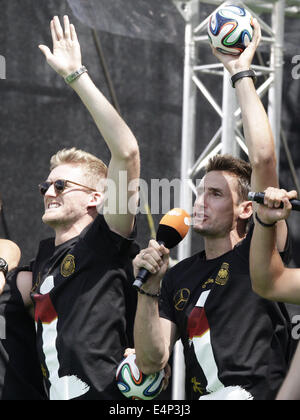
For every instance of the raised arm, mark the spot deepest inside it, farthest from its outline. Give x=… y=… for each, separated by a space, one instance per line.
x=65 y=60
x=290 y=389
x=270 y=278
x=11 y=254
x=257 y=129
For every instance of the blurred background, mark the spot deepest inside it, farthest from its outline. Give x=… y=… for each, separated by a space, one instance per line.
x=134 y=51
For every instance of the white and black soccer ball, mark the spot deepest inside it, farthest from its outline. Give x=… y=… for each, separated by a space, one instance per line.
x=230 y=29
x=136 y=385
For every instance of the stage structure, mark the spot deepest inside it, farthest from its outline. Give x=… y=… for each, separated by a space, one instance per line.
x=228 y=138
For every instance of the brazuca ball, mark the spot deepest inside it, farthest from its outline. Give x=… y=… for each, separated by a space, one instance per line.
x=230 y=29
x=136 y=385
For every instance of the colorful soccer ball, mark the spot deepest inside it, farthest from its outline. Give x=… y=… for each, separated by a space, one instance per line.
x=136 y=385
x=230 y=29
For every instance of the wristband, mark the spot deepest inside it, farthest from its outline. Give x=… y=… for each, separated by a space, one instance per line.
x=3 y=266
x=73 y=76
x=142 y=292
x=241 y=75
x=262 y=223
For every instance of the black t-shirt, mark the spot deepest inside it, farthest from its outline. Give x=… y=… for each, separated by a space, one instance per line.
x=20 y=373
x=83 y=303
x=231 y=336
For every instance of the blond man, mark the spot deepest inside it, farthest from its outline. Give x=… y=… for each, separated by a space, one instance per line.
x=80 y=277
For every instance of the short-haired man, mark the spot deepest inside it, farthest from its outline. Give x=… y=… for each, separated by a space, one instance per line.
x=80 y=276
x=236 y=345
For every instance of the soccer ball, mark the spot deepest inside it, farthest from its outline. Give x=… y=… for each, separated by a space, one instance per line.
x=135 y=384
x=230 y=29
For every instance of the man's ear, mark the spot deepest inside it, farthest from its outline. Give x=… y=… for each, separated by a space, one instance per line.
x=246 y=210
x=96 y=199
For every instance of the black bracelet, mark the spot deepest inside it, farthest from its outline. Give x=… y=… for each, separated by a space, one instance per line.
x=142 y=292
x=242 y=74
x=262 y=223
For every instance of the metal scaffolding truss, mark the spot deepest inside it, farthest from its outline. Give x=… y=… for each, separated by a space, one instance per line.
x=229 y=137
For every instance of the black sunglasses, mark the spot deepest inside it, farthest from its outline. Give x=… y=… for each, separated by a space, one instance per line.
x=59 y=186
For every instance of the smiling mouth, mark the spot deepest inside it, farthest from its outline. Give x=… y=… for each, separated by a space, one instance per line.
x=53 y=206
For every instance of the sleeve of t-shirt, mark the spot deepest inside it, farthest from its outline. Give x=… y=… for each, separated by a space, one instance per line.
x=166 y=306
x=286 y=254
x=117 y=244
x=244 y=247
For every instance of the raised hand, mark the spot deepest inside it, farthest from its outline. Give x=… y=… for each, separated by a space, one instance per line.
x=66 y=55
x=155 y=259
x=237 y=63
x=270 y=211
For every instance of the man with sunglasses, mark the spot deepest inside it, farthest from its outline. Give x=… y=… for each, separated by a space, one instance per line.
x=81 y=289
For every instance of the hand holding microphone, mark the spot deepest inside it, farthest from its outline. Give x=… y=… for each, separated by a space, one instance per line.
x=173 y=227
x=277 y=204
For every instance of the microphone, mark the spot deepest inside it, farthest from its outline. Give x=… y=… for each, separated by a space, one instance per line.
x=258 y=197
x=172 y=228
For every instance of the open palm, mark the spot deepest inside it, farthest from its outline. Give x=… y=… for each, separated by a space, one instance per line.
x=66 y=55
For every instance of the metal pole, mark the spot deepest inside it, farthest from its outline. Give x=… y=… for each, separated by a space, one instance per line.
x=190 y=9
x=188 y=120
x=229 y=145
x=276 y=62
x=230 y=105
x=187 y=161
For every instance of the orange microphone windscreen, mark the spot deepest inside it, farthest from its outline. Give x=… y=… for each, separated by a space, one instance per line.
x=173 y=227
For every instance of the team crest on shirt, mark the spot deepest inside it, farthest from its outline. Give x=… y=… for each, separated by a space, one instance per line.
x=181 y=298
x=67 y=266
x=209 y=281
x=223 y=275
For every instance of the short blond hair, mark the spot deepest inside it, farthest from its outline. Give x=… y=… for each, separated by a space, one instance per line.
x=94 y=168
